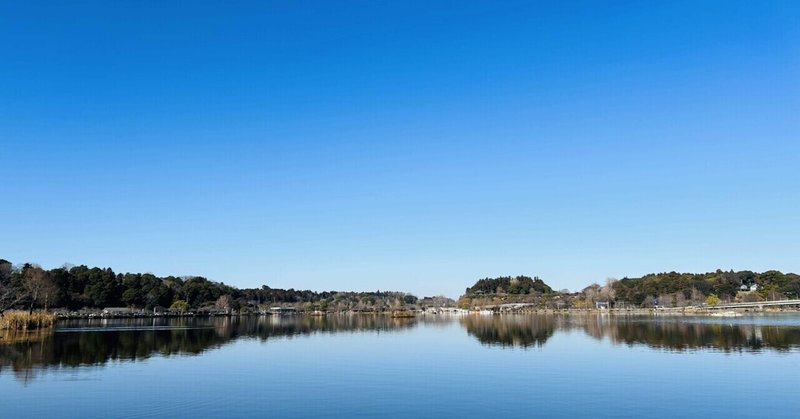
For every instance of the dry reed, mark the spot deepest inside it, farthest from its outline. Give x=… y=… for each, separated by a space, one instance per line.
x=22 y=320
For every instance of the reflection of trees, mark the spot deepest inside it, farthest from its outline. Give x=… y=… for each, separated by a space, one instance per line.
x=516 y=331
x=95 y=343
x=274 y=326
x=87 y=343
x=677 y=334
x=680 y=335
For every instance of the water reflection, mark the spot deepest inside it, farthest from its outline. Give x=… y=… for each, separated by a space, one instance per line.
x=672 y=333
x=81 y=343
x=511 y=331
x=676 y=334
x=94 y=343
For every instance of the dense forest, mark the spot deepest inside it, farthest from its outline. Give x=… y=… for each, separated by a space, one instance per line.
x=78 y=287
x=508 y=285
x=669 y=289
x=507 y=289
x=678 y=289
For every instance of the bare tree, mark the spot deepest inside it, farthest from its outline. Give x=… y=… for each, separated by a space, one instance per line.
x=223 y=303
x=8 y=297
x=608 y=292
x=591 y=293
x=39 y=288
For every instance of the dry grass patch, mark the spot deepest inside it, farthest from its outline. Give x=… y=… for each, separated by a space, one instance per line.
x=22 y=320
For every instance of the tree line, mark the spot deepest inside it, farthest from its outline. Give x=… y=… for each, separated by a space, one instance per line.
x=30 y=286
x=667 y=289
x=508 y=285
x=678 y=289
x=675 y=289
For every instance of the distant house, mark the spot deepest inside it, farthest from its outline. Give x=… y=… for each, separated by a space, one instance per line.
x=282 y=310
x=117 y=311
x=751 y=287
x=754 y=287
x=602 y=305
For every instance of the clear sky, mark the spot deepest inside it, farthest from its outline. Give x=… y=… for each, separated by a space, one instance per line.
x=410 y=146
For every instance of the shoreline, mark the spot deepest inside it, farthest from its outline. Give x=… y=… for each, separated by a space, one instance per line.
x=687 y=311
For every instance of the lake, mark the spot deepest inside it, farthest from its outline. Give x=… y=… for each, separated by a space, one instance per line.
x=472 y=366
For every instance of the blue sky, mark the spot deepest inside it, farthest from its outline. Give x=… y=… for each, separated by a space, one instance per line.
x=408 y=146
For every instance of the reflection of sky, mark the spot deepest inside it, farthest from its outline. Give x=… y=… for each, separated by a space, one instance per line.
x=429 y=370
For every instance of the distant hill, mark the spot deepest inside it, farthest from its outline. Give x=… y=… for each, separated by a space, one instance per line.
x=508 y=285
x=507 y=289
x=677 y=289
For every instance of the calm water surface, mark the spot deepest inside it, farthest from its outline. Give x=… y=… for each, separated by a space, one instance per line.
x=370 y=366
